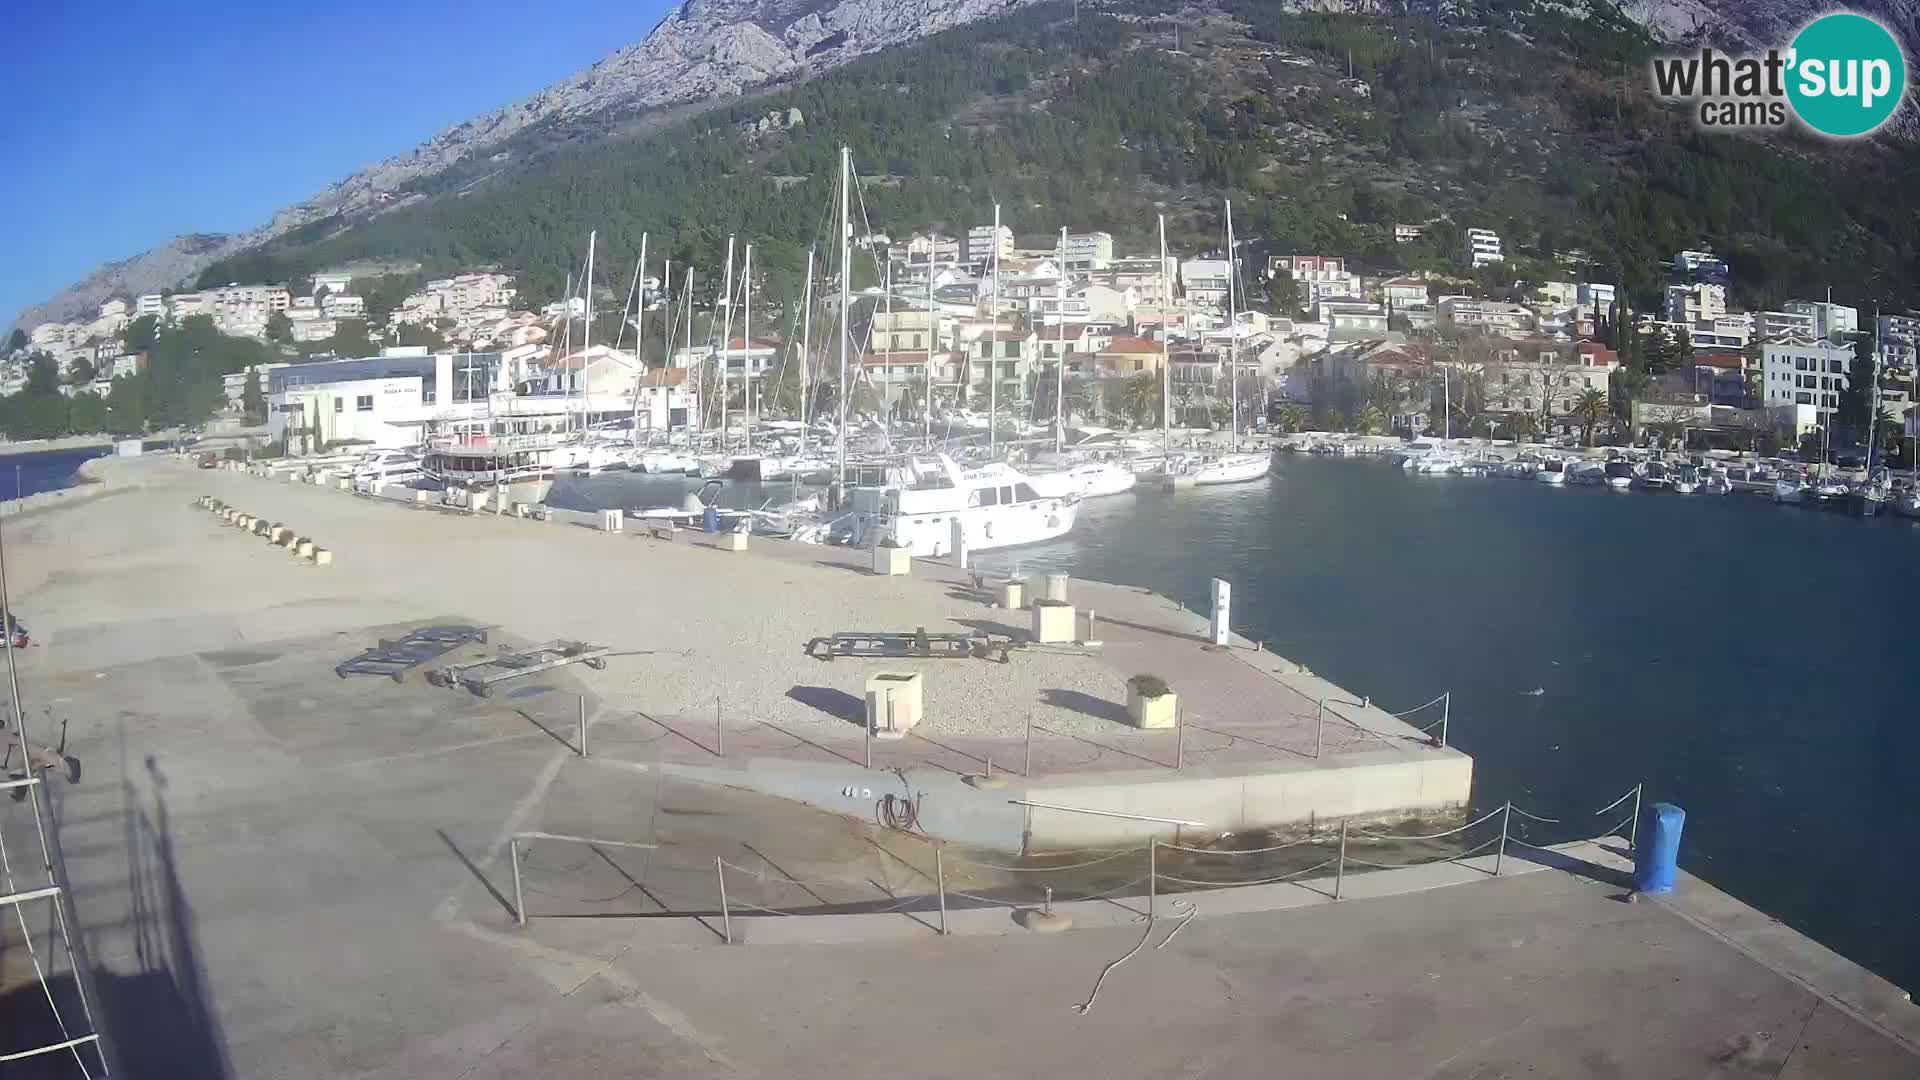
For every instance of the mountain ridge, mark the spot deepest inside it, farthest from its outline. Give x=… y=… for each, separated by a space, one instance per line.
x=706 y=52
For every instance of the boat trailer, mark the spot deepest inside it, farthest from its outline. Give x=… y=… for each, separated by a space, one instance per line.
x=918 y=645
x=480 y=676
x=393 y=657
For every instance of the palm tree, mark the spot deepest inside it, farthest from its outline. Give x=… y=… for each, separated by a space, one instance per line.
x=1143 y=399
x=1292 y=418
x=1370 y=421
x=1589 y=409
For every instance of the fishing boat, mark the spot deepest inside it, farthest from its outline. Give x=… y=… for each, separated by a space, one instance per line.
x=1686 y=480
x=1619 y=474
x=1829 y=494
x=1591 y=473
x=1002 y=510
x=1551 y=471
x=1653 y=476
x=1716 y=482
x=1906 y=503
x=520 y=467
x=1789 y=491
x=1872 y=495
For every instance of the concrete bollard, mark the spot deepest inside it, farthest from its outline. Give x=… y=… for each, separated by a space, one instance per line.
x=280 y=535
x=612 y=520
x=302 y=548
x=1218 y=630
x=422 y=498
x=1056 y=587
x=522 y=510
x=345 y=483
x=321 y=557
x=730 y=541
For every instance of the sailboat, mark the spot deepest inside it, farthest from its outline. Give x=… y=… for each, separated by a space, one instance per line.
x=1232 y=467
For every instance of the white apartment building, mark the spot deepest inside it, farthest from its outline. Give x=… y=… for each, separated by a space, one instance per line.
x=113 y=309
x=1483 y=247
x=1491 y=315
x=332 y=282
x=984 y=244
x=1831 y=321
x=1804 y=372
x=182 y=305
x=1700 y=264
x=1407 y=234
x=1770 y=325
x=1088 y=251
x=1206 y=281
x=1698 y=302
x=932 y=247
x=1595 y=295
x=343 y=306
x=152 y=304
x=1318 y=275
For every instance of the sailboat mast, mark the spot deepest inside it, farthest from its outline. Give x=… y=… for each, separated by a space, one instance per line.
x=993 y=337
x=586 y=334
x=1166 y=362
x=699 y=401
x=639 y=335
x=933 y=331
x=1233 y=333
x=806 y=344
x=846 y=273
x=1873 y=403
x=1060 y=350
x=726 y=339
x=746 y=343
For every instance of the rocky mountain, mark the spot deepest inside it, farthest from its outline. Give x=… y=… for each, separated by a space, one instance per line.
x=706 y=50
x=711 y=50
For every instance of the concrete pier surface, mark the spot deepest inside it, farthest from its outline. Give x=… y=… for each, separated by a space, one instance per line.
x=709 y=638
x=279 y=872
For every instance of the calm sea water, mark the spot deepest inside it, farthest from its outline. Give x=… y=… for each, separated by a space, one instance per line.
x=1757 y=665
x=46 y=470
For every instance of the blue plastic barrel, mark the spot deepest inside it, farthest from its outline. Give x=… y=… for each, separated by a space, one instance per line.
x=1656 y=860
x=710 y=520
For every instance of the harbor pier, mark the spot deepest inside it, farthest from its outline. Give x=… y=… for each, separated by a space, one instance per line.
x=277 y=870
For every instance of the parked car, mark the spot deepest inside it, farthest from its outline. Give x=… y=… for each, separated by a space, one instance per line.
x=209 y=460
x=16 y=637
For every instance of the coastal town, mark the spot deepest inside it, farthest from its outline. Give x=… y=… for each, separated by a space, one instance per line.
x=1299 y=341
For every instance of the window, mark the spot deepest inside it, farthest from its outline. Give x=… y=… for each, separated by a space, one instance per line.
x=1006 y=494
x=988 y=497
x=1025 y=493
x=364 y=403
x=1803 y=399
x=338 y=404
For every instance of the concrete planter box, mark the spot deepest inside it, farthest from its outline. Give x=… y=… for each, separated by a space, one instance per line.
x=1152 y=712
x=904 y=688
x=345 y=483
x=892 y=561
x=321 y=557
x=730 y=541
x=302 y=548
x=1012 y=595
x=1053 y=622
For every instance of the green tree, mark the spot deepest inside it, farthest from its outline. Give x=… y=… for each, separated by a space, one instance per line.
x=127 y=405
x=140 y=334
x=43 y=374
x=16 y=341
x=1588 y=410
x=79 y=371
x=253 y=404
x=279 y=328
x=86 y=414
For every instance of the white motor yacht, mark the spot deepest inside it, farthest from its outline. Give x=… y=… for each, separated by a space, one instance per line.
x=1686 y=480
x=382 y=468
x=1001 y=510
x=1552 y=471
x=1088 y=479
x=1619 y=474
x=1789 y=490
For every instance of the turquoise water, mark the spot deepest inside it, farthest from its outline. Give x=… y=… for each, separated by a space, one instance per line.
x=1755 y=664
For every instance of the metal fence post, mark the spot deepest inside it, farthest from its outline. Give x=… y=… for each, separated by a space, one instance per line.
x=519 y=898
x=870 y=722
x=1340 y=869
x=1500 y=856
x=1320 y=729
x=726 y=917
x=583 y=725
x=1026 y=763
x=1633 y=831
x=1446 y=711
x=1179 y=737
x=719 y=730
x=940 y=879
x=1153 y=874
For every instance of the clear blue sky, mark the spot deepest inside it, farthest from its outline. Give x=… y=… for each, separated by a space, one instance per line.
x=126 y=125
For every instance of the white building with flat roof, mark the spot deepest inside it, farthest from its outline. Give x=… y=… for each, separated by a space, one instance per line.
x=1804 y=371
x=1831 y=321
x=1088 y=251
x=984 y=244
x=1773 y=325
x=1696 y=302
x=1483 y=247
x=1206 y=281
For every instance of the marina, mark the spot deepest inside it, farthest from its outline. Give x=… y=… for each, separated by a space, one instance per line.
x=714 y=734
